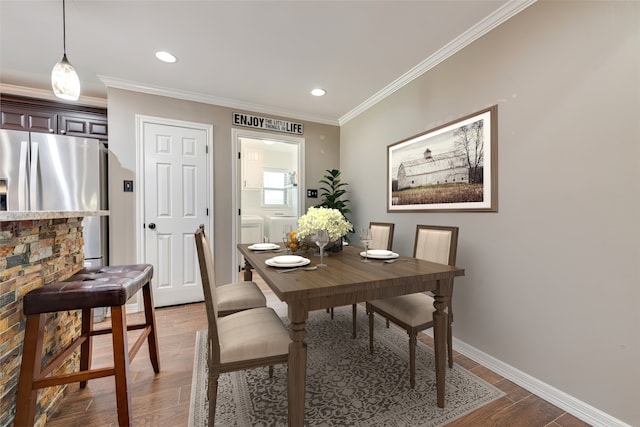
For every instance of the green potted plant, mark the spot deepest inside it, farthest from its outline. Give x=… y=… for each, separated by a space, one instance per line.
x=332 y=191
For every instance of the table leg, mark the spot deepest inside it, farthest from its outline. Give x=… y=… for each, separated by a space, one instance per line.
x=297 y=365
x=440 y=339
x=248 y=273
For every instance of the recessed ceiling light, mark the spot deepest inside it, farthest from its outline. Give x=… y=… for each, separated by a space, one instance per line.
x=318 y=92
x=166 y=57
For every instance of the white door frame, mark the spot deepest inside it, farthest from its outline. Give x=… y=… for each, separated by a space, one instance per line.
x=141 y=120
x=236 y=134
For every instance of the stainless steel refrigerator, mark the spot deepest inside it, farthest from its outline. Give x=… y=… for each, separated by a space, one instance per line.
x=40 y=171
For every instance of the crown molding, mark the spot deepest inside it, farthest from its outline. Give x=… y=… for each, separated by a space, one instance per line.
x=208 y=99
x=506 y=12
x=48 y=94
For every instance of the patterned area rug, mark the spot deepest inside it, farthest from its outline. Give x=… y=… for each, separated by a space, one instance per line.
x=346 y=385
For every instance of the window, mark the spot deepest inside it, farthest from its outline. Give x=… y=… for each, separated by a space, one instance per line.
x=275 y=185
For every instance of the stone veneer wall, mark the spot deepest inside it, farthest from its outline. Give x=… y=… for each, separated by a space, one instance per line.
x=34 y=253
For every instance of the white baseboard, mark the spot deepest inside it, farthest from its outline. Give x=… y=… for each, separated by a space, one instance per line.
x=570 y=404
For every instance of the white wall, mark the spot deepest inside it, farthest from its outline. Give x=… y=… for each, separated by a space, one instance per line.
x=552 y=283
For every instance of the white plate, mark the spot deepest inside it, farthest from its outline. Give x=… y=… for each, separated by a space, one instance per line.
x=304 y=261
x=379 y=254
x=287 y=259
x=264 y=246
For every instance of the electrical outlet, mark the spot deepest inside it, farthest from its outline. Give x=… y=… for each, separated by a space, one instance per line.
x=312 y=194
x=128 y=186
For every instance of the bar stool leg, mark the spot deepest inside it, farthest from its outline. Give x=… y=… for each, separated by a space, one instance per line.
x=85 y=348
x=150 y=320
x=30 y=369
x=121 y=364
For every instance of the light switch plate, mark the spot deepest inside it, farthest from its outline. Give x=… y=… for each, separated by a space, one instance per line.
x=128 y=186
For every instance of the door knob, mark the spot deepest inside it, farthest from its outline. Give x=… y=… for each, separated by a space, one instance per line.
x=152 y=226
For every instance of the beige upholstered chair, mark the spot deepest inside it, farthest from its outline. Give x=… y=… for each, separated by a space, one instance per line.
x=382 y=233
x=414 y=312
x=245 y=339
x=234 y=297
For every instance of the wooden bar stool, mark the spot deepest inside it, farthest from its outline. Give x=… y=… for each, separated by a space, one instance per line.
x=110 y=287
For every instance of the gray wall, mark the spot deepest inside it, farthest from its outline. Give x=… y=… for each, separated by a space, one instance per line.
x=321 y=152
x=552 y=283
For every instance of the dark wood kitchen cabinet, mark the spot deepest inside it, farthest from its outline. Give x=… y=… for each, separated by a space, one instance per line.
x=39 y=115
x=20 y=118
x=79 y=124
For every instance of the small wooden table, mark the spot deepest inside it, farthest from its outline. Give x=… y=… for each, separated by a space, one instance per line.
x=347 y=280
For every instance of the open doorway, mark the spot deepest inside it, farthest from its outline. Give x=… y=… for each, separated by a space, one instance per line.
x=269 y=180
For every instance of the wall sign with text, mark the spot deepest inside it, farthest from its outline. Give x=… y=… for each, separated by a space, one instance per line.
x=251 y=121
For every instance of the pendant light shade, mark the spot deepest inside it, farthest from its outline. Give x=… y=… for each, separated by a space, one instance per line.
x=64 y=79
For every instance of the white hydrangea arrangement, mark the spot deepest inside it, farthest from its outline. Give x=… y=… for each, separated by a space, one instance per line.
x=321 y=218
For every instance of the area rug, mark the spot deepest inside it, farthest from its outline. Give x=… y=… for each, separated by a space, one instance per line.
x=346 y=385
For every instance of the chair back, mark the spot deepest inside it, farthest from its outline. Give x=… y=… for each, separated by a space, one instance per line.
x=382 y=233
x=207 y=273
x=436 y=243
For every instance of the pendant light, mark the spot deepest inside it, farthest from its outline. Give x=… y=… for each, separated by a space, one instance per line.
x=64 y=79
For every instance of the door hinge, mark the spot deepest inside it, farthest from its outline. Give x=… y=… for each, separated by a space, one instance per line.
x=238 y=211
x=207 y=213
x=239 y=155
x=206 y=149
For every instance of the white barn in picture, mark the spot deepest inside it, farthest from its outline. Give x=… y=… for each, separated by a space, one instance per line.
x=445 y=168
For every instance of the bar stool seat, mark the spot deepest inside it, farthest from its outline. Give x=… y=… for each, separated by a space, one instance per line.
x=110 y=286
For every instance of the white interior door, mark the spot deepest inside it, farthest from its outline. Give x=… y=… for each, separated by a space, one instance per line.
x=175 y=203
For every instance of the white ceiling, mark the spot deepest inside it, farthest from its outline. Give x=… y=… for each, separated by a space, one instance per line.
x=264 y=56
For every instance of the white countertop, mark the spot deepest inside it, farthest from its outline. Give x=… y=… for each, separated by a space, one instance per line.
x=34 y=215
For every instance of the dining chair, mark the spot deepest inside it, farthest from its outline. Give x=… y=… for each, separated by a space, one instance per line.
x=414 y=312
x=234 y=297
x=382 y=233
x=246 y=339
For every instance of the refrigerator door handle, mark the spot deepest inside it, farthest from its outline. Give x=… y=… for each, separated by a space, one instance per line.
x=33 y=177
x=23 y=170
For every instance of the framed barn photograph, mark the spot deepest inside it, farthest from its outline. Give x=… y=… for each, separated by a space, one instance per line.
x=452 y=168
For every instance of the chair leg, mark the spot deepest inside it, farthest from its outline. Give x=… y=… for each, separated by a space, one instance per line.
x=121 y=364
x=370 y=310
x=354 y=311
x=85 y=348
x=30 y=368
x=450 y=344
x=412 y=358
x=213 y=395
x=150 y=321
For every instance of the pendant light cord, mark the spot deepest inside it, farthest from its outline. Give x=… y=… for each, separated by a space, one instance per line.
x=64 y=31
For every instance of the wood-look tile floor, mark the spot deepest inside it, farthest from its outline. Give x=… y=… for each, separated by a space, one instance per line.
x=163 y=399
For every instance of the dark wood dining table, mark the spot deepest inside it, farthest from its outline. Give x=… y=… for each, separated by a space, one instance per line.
x=346 y=280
